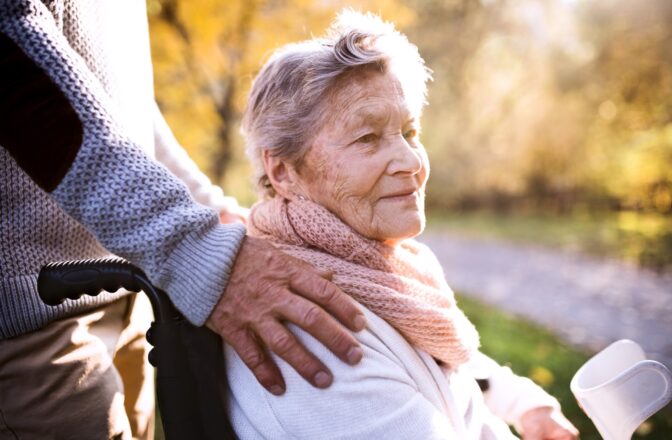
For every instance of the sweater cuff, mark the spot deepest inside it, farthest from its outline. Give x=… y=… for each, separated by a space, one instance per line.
x=535 y=399
x=197 y=271
x=528 y=396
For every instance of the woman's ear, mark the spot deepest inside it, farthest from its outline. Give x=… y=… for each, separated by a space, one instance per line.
x=282 y=176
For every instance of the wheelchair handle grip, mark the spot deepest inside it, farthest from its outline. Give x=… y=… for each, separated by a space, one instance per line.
x=72 y=279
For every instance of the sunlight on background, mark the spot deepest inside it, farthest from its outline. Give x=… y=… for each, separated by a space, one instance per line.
x=537 y=106
x=549 y=121
x=571 y=98
x=205 y=55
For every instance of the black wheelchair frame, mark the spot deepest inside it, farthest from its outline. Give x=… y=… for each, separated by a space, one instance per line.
x=189 y=360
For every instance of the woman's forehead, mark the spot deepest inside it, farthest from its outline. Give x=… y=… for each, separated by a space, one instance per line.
x=372 y=100
x=376 y=110
x=367 y=85
x=377 y=113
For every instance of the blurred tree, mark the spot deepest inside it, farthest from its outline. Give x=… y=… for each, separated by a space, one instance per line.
x=206 y=53
x=549 y=103
x=629 y=146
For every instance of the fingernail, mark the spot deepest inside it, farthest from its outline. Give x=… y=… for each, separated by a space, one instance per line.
x=355 y=355
x=322 y=379
x=360 y=322
x=276 y=390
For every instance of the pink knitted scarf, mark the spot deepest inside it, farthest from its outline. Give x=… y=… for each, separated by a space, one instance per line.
x=403 y=284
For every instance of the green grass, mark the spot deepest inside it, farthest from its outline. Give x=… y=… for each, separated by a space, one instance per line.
x=534 y=352
x=645 y=239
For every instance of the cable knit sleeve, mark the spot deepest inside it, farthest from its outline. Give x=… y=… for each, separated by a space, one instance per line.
x=134 y=206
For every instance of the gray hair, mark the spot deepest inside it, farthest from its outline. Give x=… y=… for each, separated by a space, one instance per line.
x=287 y=103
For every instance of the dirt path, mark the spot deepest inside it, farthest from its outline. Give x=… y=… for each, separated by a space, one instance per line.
x=587 y=302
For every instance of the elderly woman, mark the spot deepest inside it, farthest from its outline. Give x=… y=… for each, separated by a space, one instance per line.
x=332 y=126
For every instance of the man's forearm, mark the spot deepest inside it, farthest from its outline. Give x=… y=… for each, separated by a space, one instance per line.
x=63 y=134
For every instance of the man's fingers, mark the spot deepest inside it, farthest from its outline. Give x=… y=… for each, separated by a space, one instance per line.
x=304 y=266
x=283 y=343
x=262 y=283
x=332 y=299
x=326 y=274
x=322 y=327
x=256 y=359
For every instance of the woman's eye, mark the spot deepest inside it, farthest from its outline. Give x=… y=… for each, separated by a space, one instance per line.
x=367 y=138
x=409 y=134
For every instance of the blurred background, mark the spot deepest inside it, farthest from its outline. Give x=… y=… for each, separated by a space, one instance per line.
x=537 y=108
x=549 y=130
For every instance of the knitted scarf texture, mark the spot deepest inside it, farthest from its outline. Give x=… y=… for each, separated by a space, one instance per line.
x=403 y=283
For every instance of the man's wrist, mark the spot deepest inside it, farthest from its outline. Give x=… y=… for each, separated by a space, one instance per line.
x=198 y=270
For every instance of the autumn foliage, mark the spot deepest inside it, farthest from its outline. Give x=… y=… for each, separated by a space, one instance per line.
x=549 y=104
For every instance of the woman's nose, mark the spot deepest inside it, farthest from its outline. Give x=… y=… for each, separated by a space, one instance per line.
x=407 y=158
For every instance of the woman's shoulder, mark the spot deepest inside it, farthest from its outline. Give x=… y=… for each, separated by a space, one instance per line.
x=392 y=384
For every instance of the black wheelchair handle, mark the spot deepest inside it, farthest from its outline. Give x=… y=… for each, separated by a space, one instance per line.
x=72 y=279
x=189 y=359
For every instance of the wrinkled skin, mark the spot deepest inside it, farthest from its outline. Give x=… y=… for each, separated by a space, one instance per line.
x=366 y=164
x=267 y=288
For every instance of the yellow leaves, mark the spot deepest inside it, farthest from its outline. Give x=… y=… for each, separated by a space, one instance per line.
x=208 y=19
x=515 y=109
x=390 y=10
x=207 y=51
x=543 y=376
x=662 y=199
x=638 y=168
x=607 y=110
x=645 y=428
x=650 y=225
x=167 y=47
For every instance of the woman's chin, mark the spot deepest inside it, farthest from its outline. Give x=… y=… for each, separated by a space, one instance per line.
x=403 y=228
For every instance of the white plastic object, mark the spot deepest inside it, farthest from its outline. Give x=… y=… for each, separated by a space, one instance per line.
x=619 y=388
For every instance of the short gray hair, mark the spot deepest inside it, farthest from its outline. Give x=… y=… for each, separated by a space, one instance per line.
x=287 y=101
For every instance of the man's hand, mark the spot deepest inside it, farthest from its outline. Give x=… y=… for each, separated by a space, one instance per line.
x=547 y=424
x=267 y=288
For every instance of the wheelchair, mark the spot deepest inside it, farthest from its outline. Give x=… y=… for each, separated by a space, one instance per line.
x=189 y=360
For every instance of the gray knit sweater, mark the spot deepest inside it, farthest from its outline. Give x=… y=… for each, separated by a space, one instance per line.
x=76 y=179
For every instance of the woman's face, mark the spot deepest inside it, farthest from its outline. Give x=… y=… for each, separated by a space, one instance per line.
x=367 y=164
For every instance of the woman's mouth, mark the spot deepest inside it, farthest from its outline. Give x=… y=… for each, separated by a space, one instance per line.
x=399 y=196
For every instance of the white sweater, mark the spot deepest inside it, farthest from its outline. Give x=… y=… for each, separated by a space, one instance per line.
x=395 y=392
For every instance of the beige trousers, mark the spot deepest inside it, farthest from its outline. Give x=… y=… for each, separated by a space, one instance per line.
x=84 y=377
